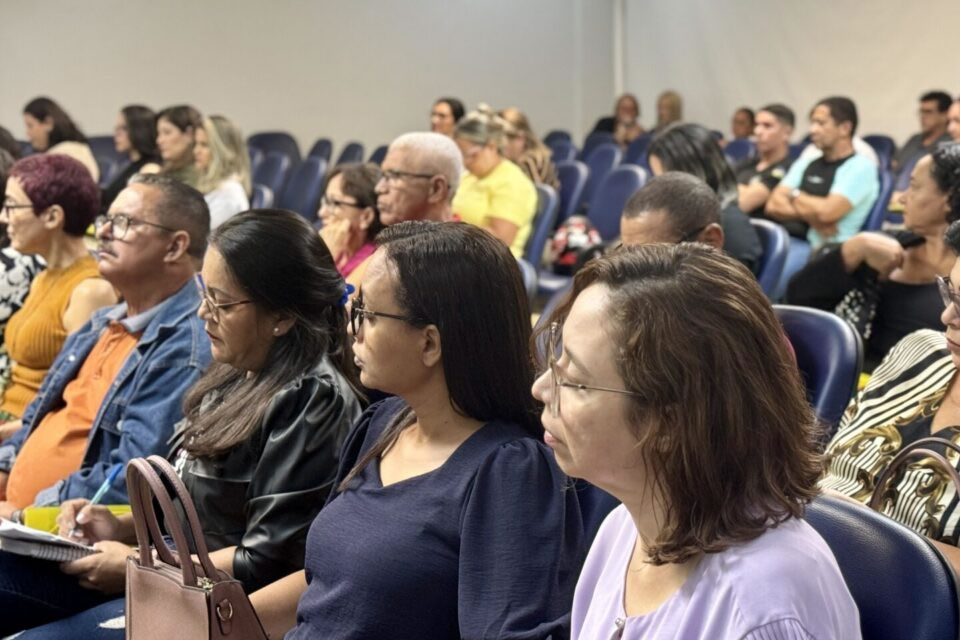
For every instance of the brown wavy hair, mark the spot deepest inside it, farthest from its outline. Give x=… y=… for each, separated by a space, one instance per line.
x=721 y=417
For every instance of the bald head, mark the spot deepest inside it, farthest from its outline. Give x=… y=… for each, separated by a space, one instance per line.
x=421 y=175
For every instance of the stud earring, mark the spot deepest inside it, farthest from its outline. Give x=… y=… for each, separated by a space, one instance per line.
x=276 y=331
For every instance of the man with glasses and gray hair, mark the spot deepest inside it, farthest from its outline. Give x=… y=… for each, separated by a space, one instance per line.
x=115 y=390
x=420 y=175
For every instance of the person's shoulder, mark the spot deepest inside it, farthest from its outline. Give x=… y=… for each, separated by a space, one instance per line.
x=860 y=163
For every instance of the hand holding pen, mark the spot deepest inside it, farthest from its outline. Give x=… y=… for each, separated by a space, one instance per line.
x=87 y=521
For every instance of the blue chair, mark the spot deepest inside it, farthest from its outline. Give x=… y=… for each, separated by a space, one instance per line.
x=795 y=150
x=272 y=172
x=302 y=194
x=378 y=155
x=902 y=585
x=601 y=161
x=611 y=197
x=281 y=141
x=562 y=151
x=553 y=302
x=636 y=152
x=903 y=175
x=262 y=197
x=556 y=134
x=776 y=244
x=739 y=150
x=595 y=505
x=878 y=211
x=108 y=169
x=256 y=157
x=593 y=141
x=830 y=356
x=322 y=148
x=884 y=146
x=798 y=254
x=529 y=274
x=548 y=205
x=26 y=149
x=573 y=178
x=351 y=153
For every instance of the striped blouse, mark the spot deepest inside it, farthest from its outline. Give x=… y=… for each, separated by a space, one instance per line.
x=896 y=408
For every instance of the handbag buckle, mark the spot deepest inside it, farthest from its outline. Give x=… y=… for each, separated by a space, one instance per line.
x=225 y=604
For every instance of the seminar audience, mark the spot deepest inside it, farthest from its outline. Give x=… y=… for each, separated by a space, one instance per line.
x=757 y=177
x=223 y=163
x=176 y=130
x=50 y=130
x=671 y=208
x=351 y=219
x=135 y=135
x=624 y=124
x=445 y=115
x=669 y=109
x=524 y=148
x=419 y=177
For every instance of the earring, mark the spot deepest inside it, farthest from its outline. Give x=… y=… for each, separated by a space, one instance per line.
x=276 y=331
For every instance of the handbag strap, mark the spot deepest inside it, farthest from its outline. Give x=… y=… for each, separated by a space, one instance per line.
x=911 y=451
x=190 y=510
x=150 y=487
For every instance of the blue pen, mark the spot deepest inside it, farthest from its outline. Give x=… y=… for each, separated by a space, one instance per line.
x=102 y=491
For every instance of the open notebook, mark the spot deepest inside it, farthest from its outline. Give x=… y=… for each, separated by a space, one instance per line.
x=24 y=541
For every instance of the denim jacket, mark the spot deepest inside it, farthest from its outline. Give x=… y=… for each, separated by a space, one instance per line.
x=142 y=405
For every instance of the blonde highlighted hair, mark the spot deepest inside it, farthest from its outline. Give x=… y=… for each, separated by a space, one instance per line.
x=229 y=159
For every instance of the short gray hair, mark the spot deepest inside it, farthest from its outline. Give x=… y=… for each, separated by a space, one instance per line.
x=180 y=207
x=434 y=153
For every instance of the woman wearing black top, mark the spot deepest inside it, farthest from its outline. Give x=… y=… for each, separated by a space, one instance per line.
x=135 y=135
x=888 y=280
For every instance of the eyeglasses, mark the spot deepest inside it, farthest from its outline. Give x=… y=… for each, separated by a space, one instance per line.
x=555 y=347
x=7 y=207
x=333 y=203
x=358 y=314
x=947 y=294
x=690 y=235
x=214 y=307
x=392 y=176
x=120 y=222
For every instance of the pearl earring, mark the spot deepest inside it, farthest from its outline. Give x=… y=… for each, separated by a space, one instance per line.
x=276 y=331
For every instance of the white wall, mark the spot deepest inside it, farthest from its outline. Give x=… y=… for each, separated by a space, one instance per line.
x=721 y=54
x=357 y=69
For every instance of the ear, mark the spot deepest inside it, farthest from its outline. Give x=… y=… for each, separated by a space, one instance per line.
x=53 y=217
x=178 y=247
x=712 y=235
x=438 y=190
x=432 y=353
x=366 y=218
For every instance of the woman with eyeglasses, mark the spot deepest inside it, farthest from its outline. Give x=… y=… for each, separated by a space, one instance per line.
x=702 y=430
x=449 y=517
x=351 y=218
x=912 y=394
x=221 y=157
x=258 y=446
x=49 y=202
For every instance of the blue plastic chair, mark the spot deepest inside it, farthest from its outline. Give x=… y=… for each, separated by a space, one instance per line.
x=601 y=161
x=901 y=583
x=884 y=146
x=322 y=148
x=795 y=150
x=636 y=152
x=529 y=273
x=903 y=176
x=262 y=197
x=378 y=155
x=272 y=172
x=594 y=140
x=281 y=141
x=611 y=197
x=562 y=151
x=595 y=505
x=573 y=178
x=351 y=153
x=256 y=157
x=108 y=169
x=739 y=150
x=878 y=212
x=26 y=149
x=776 y=244
x=305 y=188
x=830 y=357
x=548 y=205
x=102 y=146
x=556 y=134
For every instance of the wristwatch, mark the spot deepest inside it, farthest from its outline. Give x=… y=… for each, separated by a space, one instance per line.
x=794 y=193
x=17 y=516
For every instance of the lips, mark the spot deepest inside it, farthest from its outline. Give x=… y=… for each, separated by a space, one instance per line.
x=953 y=346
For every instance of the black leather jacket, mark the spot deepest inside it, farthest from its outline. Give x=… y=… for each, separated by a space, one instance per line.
x=262 y=495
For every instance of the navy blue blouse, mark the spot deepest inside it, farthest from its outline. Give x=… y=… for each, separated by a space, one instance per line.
x=488 y=545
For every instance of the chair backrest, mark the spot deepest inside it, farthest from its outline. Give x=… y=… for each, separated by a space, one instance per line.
x=281 y=141
x=902 y=585
x=595 y=505
x=256 y=157
x=26 y=149
x=556 y=134
x=353 y=152
x=776 y=246
x=302 y=194
x=601 y=161
x=878 y=212
x=829 y=355
x=739 y=149
x=102 y=146
x=594 y=140
x=902 y=180
x=378 y=155
x=795 y=150
x=262 y=197
x=272 y=172
x=611 y=197
x=573 y=178
x=884 y=146
x=636 y=152
x=548 y=206
x=529 y=274
x=562 y=151
x=108 y=169
x=322 y=148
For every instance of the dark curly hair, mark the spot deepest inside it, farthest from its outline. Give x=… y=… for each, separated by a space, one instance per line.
x=946 y=173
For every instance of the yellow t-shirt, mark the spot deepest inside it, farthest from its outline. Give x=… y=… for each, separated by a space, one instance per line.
x=505 y=193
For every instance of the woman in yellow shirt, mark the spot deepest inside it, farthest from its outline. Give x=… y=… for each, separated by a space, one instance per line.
x=494 y=194
x=49 y=202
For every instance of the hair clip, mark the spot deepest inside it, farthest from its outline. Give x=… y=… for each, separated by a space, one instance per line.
x=346 y=294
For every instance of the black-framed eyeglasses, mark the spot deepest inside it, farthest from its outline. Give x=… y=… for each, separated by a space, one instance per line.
x=947 y=294
x=121 y=222
x=690 y=235
x=555 y=347
x=333 y=203
x=214 y=307
x=358 y=314
x=392 y=176
x=8 y=207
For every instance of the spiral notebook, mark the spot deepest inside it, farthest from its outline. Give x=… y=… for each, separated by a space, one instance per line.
x=24 y=541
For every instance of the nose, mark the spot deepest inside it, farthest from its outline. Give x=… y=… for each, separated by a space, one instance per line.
x=541 y=387
x=101 y=232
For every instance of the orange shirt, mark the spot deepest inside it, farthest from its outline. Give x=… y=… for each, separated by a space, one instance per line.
x=55 y=448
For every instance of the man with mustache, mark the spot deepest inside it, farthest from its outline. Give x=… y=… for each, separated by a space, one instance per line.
x=114 y=392
x=419 y=178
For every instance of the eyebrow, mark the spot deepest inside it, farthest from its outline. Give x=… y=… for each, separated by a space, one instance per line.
x=577 y=362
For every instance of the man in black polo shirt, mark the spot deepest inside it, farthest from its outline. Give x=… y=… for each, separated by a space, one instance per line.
x=757 y=177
